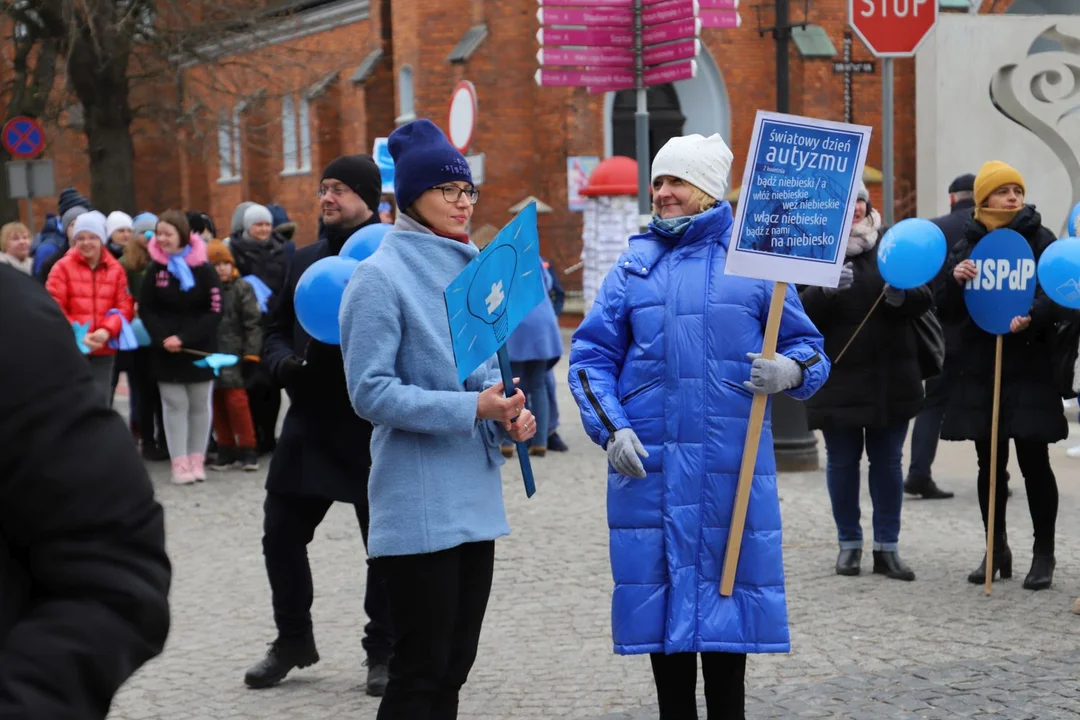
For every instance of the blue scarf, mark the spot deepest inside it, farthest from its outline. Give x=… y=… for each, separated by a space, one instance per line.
x=672 y=227
x=179 y=269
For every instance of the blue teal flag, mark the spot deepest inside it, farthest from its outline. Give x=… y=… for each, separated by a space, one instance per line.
x=494 y=293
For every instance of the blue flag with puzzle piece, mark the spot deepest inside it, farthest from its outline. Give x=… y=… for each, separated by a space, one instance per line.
x=494 y=293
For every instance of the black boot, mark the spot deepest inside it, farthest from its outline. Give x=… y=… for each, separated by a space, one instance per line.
x=848 y=562
x=889 y=564
x=925 y=487
x=1041 y=574
x=378 y=676
x=1002 y=563
x=284 y=655
x=226 y=457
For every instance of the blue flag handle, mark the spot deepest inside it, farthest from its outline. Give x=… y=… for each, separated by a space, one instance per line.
x=522 y=448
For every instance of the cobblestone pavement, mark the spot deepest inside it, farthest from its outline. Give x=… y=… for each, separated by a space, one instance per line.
x=863 y=648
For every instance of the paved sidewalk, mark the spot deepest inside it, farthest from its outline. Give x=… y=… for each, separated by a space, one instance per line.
x=863 y=648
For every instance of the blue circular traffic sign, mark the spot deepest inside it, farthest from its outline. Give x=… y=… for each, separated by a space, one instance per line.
x=1004 y=284
x=23 y=138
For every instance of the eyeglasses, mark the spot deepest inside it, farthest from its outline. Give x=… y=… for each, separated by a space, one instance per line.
x=453 y=193
x=337 y=191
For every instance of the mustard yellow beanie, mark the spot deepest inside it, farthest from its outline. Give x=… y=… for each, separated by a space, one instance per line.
x=992 y=175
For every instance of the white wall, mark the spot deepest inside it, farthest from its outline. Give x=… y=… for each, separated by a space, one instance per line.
x=958 y=126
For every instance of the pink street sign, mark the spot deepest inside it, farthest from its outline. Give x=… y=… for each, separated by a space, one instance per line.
x=584 y=78
x=670 y=11
x=718 y=4
x=592 y=57
x=598 y=3
x=721 y=19
x=653 y=76
x=667 y=32
x=670 y=52
x=604 y=17
x=597 y=37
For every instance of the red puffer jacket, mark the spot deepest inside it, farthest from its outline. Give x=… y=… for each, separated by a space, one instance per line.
x=86 y=295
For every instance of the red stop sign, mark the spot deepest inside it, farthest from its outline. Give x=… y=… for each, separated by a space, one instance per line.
x=892 y=28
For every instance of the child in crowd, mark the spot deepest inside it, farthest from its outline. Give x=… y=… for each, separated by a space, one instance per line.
x=240 y=333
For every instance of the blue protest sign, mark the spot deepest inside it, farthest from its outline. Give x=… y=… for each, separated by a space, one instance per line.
x=1004 y=284
x=495 y=292
x=381 y=153
x=1059 y=272
x=798 y=196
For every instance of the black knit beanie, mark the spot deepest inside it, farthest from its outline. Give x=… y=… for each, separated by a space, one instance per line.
x=69 y=198
x=360 y=174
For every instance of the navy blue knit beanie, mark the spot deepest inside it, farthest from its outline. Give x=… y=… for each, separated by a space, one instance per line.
x=423 y=158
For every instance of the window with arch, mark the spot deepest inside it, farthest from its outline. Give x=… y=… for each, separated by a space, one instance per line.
x=295 y=135
x=229 y=149
x=406 y=109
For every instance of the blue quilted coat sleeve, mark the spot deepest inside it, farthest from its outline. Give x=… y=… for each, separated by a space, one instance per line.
x=596 y=358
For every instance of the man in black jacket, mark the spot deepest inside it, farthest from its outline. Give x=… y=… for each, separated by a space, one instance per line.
x=323 y=454
x=927 y=428
x=84 y=579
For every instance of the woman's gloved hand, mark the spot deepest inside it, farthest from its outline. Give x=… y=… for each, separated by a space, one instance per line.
x=847 y=279
x=773 y=376
x=894 y=297
x=624 y=451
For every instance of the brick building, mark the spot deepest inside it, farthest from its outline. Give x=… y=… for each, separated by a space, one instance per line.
x=269 y=108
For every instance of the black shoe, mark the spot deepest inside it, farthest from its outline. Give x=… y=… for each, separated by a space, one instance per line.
x=848 y=562
x=249 y=459
x=154 y=452
x=1041 y=575
x=556 y=443
x=925 y=487
x=889 y=564
x=378 y=676
x=267 y=447
x=1002 y=564
x=225 y=459
x=283 y=655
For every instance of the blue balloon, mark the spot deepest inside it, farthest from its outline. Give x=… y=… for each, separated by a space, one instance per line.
x=364 y=242
x=318 y=297
x=911 y=253
x=1004 y=287
x=1074 y=220
x=1059 y=272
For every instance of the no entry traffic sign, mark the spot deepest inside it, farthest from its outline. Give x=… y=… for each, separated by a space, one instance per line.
x=23 y=138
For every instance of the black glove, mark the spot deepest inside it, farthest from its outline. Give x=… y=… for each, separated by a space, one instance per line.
x=290 y=371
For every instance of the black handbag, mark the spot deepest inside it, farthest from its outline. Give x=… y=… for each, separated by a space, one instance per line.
x=930 y=339
x=1063 y=352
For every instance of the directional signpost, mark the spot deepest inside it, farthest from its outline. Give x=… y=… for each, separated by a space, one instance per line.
x=612 y=45
x=891 y=29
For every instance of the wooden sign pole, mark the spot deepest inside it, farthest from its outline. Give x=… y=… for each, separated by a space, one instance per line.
x=750 y=448
x=991 y=506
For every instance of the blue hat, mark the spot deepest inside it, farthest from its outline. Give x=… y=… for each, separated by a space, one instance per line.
x=423 y=158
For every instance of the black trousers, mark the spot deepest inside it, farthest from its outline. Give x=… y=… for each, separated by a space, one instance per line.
x=151 y=424
x=288 y=526
x=1033 y=456
x=264 y=397
x=437 y=602
x=676 y=685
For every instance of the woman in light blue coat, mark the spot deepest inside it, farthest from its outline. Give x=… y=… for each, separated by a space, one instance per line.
x=435 y=489
x=664 y=370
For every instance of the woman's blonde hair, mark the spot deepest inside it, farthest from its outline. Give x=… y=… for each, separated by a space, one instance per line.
x=136 y=255
x=9 y=231
x=702 y=199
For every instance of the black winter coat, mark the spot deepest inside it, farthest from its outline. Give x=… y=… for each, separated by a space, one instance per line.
x=1030 y=405
x=193 y=316
x=84 y=578
x=324 y=449
x=952 y=226
x=877 y=382
x=267 y=261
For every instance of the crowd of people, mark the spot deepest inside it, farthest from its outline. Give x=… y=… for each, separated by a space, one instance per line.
x=664 y=369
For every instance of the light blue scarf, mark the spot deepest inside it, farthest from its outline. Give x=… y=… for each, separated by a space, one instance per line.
x=262 y=291
x=672 y=227
x=180 y=270
x=126 y=340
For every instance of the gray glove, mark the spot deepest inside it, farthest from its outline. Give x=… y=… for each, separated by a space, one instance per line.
x=847 y=279
x=894 y=297
x=623 y=452
x=773 y=376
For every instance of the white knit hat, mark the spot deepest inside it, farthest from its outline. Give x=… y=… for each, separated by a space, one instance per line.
x=116 y=221
x=701 y=161
x=93 y=222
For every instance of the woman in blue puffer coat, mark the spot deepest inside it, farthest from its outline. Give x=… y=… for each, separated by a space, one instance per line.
x=664 y=370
